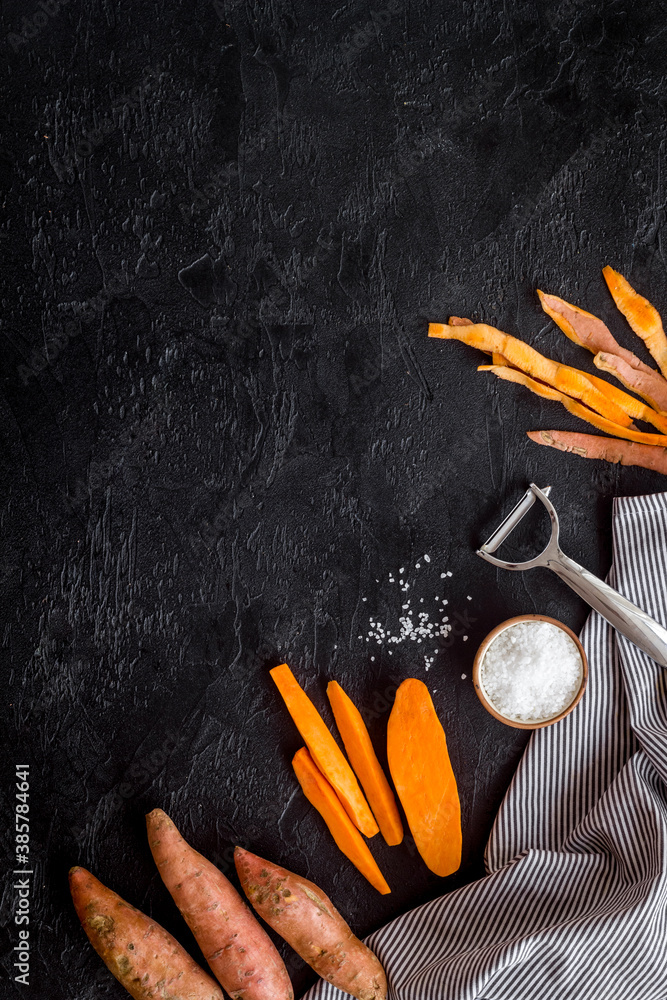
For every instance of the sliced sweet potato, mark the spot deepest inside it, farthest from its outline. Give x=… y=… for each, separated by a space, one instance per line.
x=640 y=314
x=322 y=796
x=571 y=381
x=604 y=448
x=306 y=918
x=424 y=778
x=242 y=956
x=324 y=750
x=574 y=407
x=143 y=956
x=587 y=330
x=366 y=766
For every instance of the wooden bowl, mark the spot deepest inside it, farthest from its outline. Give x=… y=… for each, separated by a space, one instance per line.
x=477 y=670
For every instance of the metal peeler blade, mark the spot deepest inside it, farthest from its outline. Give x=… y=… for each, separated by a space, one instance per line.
x=511 y=521
x=625 y=616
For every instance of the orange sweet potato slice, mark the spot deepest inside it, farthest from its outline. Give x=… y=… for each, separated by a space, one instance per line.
x=367 y=768
x=324 y=750
x=423 y=777
x=604 y=448
x=574 y=407
x=640 y=314
x=322 y=796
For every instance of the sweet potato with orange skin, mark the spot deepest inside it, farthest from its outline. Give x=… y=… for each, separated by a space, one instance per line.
x=574 y=407
x=522 y=356
x=640 y=314
x=424 y=778
x=143 y=956
x=322 y=796
x=242 y=956
x=324 y=750
x=606 y=449
x=366 y=766
x=306 y=918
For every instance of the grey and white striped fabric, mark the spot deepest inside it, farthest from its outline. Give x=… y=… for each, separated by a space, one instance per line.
x=575 y=902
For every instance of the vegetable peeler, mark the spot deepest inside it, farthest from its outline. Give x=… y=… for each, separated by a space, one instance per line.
x=625 y=616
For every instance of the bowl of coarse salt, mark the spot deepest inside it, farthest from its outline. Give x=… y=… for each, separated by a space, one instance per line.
x=530 y=671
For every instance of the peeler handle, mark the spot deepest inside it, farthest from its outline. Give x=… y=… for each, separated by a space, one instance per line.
x=625 y=616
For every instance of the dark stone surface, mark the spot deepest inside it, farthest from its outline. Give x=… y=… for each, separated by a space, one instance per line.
x=223 y=425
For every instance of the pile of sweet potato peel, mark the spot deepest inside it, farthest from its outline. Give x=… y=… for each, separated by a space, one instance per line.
x=589 y=397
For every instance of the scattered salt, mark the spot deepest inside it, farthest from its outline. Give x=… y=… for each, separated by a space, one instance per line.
x=531 y=671
x=427 y=558
x=423 y=631
x=463 y=677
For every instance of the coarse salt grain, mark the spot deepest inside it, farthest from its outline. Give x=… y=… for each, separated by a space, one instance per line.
x=531 y=671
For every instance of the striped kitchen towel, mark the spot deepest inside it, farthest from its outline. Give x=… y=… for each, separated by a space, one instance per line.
x=575 y=902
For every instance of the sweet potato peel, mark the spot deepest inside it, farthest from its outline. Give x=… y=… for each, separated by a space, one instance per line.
x=630 y=404
x=640 y=314
x=586 y=330
x=604 y=448
x=648 y=384
x=588 y=397
x=524 y=357
x=574 y=407
x=322 y=796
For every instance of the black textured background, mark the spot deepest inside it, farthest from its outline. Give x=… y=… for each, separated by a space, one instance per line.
x=223 y=426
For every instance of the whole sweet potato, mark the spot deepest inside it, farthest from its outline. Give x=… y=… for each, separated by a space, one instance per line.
x=242 y=956
x=307 y=919
x=143 y=956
